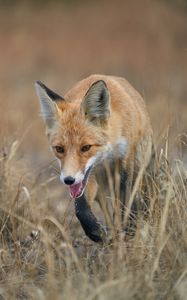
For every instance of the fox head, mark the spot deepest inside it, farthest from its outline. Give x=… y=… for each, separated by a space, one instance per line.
x=77 y=131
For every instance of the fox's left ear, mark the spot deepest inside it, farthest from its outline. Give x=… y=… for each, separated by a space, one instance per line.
x=48 y=103
x=96 y=103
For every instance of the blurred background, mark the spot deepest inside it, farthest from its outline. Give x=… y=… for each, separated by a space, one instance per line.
x=61 y=42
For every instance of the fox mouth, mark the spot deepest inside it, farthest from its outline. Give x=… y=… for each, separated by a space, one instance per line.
x=76 y=190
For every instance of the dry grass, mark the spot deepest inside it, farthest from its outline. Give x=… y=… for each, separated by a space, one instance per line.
x=44 y=253
x=43 y=257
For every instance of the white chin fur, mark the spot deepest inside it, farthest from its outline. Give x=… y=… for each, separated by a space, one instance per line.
x=90 y=162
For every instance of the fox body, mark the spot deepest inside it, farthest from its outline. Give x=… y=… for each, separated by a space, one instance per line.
x=101 y=120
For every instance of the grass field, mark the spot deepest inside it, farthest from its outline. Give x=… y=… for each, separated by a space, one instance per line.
x=44 y=253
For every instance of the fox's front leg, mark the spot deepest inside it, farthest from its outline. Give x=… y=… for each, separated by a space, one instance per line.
x=93 y=229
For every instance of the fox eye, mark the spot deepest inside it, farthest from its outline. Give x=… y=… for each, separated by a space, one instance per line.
x=59 y=149
x=85 y=148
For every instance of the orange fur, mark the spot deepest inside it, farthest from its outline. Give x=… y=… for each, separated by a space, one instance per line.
x=128 y=119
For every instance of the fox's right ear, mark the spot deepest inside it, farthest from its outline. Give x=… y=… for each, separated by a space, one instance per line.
x=48 y=103
x=96 y=103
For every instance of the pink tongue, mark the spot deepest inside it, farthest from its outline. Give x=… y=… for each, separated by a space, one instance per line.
x=75 y=189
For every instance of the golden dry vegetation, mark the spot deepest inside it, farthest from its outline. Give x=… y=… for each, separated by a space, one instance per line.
x=44 y=253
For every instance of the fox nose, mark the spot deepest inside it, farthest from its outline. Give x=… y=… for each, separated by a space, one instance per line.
x=69 y=180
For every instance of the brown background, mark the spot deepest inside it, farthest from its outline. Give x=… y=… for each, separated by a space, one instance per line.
x=61 y=42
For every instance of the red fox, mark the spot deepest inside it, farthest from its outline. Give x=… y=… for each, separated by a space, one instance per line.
x=101 y=119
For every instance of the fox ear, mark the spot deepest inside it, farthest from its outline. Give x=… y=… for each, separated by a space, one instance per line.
x=48 y=100
x=96 y=103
